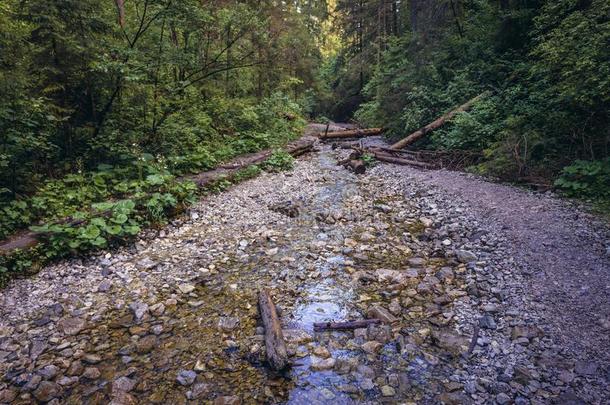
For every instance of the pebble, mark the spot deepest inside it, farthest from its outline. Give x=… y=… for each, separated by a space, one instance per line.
x=186 y=377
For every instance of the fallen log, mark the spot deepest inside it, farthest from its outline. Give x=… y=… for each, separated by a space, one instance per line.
x=439 y=122
x=354 y=133
x=348 y=325
x=277 y=355
x=28 y=239
x=400 y=161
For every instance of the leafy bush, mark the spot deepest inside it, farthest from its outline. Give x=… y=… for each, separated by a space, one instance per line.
x=586 y=178
x=279 y=161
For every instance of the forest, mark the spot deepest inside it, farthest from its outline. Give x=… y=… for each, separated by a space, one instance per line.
x=106 y=106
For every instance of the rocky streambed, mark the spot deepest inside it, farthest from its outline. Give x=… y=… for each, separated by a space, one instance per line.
x=173 y=319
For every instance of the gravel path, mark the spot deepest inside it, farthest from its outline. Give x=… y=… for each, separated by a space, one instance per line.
x=438 y=256
x=563 y=253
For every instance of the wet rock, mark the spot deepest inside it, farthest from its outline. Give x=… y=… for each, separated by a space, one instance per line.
x=387 y=391
x=379 y=312
x=372 y=347
x=227 y=324
x=123 y=384
x=46 y=391
x=71 y=326
x=321 y=351
x=319 y=364
x=367 y=384
x=186 y=377
x=296 y=336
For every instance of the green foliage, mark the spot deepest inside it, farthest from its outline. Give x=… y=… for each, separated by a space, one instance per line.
x=546 y=62
x=586 y=178
x=279 y=161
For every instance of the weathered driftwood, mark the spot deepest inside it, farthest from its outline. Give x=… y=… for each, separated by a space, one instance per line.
x=277 y=355
x=28 y=239
x=439 y=122
x=354 y=133
x=348 y=325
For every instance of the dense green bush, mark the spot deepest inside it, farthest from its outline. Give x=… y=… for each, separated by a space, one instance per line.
x=586 y=179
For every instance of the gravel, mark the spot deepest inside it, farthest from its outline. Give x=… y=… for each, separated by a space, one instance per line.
x=432 y=253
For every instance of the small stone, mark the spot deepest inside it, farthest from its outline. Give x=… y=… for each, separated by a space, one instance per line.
x=186 y=377
x=228 y=323
x=199 y=390
x=528 y=332
x=387 y=391
x=104 y=286
x=157 y=309
x=323 y=364
x=7 y=395
x=372 y=347
x=92 y=358
x=586 y=368
x=487 y=322
x=465 y=256
x=566 y=376
x=37 y=348
x=367 y=384
x=139 y=309
x=503 y=398
x=48 y=371
x=228 y=400
x=417 y=262
x=46 y=391
x=71 y=326
x=92 y=373
x=186 y=288
x=146 y=344
x=377 y=311
x=123 y=384
x=67 y=381
x=321 y=351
